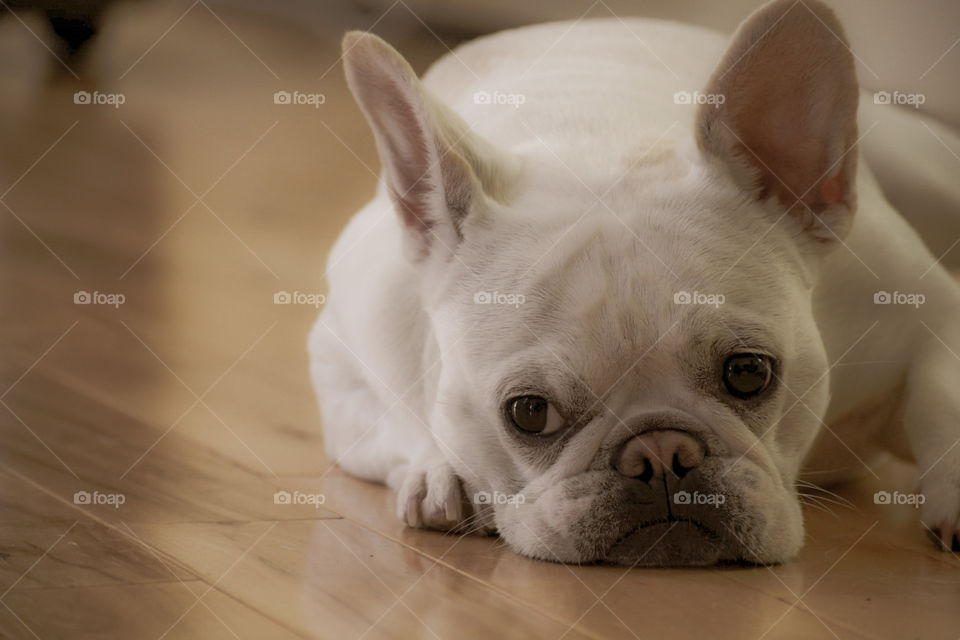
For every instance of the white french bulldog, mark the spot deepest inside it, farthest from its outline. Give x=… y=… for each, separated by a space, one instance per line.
x=610 y=316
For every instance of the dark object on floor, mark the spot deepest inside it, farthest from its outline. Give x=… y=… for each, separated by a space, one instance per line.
x=75 y=22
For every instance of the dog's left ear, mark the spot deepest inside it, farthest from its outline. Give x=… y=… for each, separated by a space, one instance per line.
x=786 y=125
x=435 y=167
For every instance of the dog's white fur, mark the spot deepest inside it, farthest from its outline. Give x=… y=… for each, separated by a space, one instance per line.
x=597 y=199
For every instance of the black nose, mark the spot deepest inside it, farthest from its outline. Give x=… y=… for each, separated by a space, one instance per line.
x=655 y=453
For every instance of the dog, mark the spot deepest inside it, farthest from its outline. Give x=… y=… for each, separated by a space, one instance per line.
x=597 y=303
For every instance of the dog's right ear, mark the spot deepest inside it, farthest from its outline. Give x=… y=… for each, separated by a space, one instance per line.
x=436 y=168
x=786 y=126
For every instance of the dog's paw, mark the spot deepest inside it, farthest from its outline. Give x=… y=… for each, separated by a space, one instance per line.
x=431 y=497
x=940 y=513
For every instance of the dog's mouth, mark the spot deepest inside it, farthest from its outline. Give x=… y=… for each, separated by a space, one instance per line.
x=670 y=520
x=669 y=542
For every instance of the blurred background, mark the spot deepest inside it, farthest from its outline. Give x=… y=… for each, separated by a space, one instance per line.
x=197 y=80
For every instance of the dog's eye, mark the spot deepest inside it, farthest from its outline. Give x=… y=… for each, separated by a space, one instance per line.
x=747 y=374
x=533 y=414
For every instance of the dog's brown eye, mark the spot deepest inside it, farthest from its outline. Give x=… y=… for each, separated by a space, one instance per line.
x=747 y=374
x=533 y=414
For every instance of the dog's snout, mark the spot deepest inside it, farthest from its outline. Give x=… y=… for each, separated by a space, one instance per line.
x=655 y=453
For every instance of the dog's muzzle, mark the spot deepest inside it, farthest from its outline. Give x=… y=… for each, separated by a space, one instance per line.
x=677 y=517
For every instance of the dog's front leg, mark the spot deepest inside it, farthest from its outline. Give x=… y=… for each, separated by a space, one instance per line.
x=932 y=427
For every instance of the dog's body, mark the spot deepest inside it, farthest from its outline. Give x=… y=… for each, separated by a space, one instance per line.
x=585 y=112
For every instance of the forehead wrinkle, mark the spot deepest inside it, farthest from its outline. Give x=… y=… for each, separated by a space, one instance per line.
x=598 y=316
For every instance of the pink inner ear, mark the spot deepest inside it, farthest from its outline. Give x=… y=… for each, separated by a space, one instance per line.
x=788 y=125
x=832 y=190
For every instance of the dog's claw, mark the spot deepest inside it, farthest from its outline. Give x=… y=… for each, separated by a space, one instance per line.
x=412 y=510
x=451 y=508
x=941 y=511
x=431 y=497
x=946 y=538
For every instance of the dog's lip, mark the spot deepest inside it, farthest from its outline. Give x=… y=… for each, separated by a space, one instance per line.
x=652 y=523
x=709 y=549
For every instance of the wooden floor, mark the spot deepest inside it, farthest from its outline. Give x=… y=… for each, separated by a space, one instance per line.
x=198 y=199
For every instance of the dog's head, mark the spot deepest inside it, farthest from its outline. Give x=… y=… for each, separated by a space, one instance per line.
x=629 y=366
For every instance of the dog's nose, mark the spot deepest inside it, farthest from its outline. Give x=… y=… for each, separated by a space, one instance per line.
x=655 y=453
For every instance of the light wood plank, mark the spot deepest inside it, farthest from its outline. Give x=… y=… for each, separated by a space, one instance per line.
x=333 y=578
x=95 y=449
x=133 y=611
